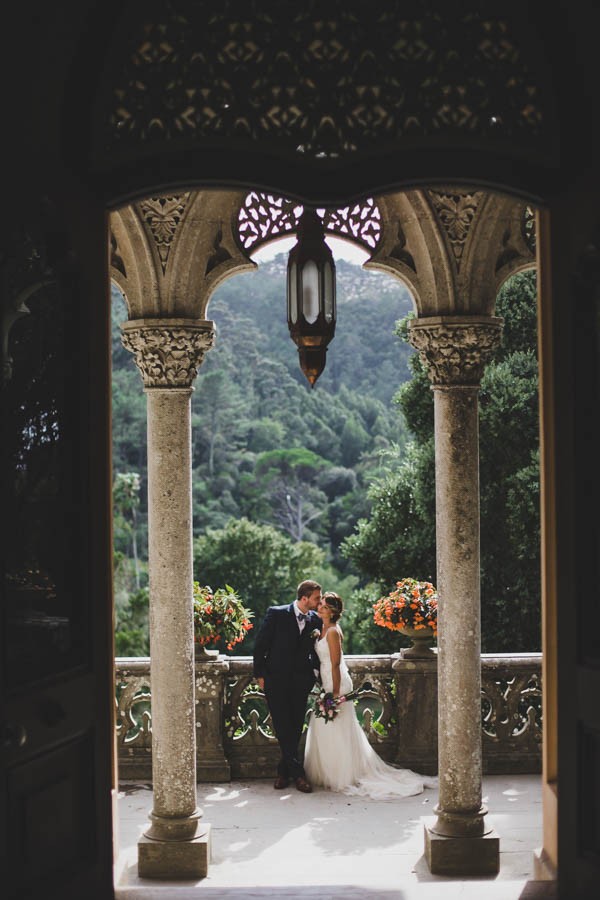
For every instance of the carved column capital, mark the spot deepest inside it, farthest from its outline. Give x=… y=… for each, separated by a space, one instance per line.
x=456 y=349
x=168 y=352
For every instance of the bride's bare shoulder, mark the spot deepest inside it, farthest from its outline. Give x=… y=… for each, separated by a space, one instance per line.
x=335 y=634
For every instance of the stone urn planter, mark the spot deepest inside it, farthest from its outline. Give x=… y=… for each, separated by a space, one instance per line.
x=410 y=603
x=421 y=643
x=220 y=619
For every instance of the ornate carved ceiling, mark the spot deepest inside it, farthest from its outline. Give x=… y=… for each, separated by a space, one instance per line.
x=319 y=81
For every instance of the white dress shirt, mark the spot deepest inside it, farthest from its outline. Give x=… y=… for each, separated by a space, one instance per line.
x=298 y=611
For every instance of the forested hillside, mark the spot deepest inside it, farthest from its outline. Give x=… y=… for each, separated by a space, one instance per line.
x=266 y=447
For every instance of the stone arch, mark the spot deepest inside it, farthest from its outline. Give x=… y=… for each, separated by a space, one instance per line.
x=452 y=247
x=170 y=252
x=132 y=263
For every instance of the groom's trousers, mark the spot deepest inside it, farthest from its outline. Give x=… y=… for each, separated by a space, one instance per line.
x=287 y=698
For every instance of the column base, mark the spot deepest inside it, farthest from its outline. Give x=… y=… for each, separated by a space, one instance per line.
x=479 y=855
x=175 y=860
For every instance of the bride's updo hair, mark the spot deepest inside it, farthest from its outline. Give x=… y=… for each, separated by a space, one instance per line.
x=335 y=604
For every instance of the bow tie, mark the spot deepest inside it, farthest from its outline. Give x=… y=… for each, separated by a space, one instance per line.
x=302 y=617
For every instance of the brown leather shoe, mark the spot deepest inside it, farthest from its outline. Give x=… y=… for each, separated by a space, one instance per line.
x=281 y=783
x=303 y=785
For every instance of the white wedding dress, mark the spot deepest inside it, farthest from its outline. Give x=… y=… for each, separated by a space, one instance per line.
x=338 y=755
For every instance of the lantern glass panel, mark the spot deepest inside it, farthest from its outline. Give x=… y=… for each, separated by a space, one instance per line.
x=293 y=294
x=310 y=291
x=328 y=303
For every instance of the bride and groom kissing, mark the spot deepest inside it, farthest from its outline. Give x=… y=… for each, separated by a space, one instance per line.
x=296 y=645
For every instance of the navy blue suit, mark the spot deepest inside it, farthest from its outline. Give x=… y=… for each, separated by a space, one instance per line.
x=286 y=659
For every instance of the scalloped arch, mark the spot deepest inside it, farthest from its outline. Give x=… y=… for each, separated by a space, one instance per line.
x=169 y=252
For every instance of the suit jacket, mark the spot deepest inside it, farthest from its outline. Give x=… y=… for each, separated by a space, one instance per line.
x=280 y=649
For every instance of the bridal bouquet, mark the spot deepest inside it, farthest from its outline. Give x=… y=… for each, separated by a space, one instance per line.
x=326 y=706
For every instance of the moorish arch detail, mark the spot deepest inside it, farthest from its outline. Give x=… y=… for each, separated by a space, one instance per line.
x=452 y=246
x=502 y=229
x=163 y=215
x=455 y=213
x=168 y=254
x=265 y=217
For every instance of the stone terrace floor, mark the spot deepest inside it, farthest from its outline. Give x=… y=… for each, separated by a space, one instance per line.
x=272 y=844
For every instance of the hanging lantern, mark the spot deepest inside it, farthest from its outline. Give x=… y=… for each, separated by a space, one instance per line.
x=311 y=295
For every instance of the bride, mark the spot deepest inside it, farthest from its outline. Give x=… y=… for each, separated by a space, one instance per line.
x=338 y=755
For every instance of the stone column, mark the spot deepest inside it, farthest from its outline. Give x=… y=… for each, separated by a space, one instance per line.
x=168 y=353
x=455 y=350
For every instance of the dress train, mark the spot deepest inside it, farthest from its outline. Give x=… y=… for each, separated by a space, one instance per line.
x=338 y=755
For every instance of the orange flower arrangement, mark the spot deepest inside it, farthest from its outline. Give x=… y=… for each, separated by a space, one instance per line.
x=220 y=616
x=412 y=604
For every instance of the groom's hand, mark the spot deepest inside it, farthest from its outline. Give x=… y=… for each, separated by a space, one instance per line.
x=261 y=683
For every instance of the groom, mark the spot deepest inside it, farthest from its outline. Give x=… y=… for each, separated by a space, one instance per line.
x=285 y=664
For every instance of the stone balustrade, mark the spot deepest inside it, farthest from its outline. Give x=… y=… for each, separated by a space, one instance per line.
x=397 y=707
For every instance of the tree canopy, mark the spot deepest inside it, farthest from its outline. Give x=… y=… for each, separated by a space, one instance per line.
x=262 y=564
x=397 y=539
